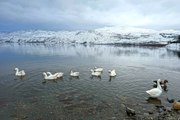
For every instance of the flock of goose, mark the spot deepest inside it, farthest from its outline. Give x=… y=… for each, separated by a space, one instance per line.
x=154 y=92
x=157 y=91
x=49 y=76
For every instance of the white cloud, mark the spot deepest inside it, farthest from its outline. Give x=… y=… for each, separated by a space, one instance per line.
x=145 y=13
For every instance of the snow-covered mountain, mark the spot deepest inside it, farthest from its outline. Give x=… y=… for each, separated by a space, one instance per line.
x=107 y=35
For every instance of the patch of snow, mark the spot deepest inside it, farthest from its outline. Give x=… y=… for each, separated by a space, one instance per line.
x=107 y=35
x=174 y=47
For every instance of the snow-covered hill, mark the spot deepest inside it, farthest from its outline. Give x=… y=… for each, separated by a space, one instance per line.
x=107 y=35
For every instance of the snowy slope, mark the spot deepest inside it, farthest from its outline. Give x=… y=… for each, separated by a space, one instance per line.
x=107 y=35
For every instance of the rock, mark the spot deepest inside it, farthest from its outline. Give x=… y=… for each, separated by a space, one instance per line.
x=130 y=112
x=146 y=114
x=170 y=100
x=113 y=118
x=160 y=108
x=150 y=112
x=122 y=105
x=169 y=109
x=176 y=105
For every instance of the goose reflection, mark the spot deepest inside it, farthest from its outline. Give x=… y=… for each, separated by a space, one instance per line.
x=74 y=77
x=54 y=81
x=97 y=77
x=111 y=77
x=19 y=78
x=154 y=101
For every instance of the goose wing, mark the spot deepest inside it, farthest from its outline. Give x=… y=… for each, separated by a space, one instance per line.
x=22 y=72
x=154 y=92
x=49 y=73
x=76 y=73
x=59 y=74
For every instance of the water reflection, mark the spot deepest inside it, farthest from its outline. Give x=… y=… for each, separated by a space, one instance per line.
x=74 y=77
x=154 y=101
x=95 y=77
x=176 y=53
x=19 y=78
x=102 y=98
x=87 y=51
x=111 y=78
x=54 y=80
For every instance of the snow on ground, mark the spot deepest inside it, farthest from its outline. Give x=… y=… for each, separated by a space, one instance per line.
x=173 y=47
x=107 y=35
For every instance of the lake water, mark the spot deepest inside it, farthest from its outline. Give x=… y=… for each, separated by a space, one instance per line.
x=85 y=97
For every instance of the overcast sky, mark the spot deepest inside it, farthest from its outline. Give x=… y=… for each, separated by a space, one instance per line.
x=88 y=14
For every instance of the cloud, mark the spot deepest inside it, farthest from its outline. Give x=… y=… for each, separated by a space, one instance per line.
x=87 y=14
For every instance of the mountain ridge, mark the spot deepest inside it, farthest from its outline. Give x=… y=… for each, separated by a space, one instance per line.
x=106 y=35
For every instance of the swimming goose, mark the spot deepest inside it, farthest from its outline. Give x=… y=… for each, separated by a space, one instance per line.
x=58 y=74
x=155 y=92
x=112 y=73
x=19 y=73
x=162 y=82
x=98 y=69
x=97 y=74
x=49 y=77
x=74 y=74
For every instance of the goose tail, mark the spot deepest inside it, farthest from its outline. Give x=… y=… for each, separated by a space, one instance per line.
x=148 y=91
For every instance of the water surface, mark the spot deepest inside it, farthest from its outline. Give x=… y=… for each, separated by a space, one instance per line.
x=86 y=97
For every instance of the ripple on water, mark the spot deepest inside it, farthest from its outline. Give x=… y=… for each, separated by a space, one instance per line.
x=86 y=98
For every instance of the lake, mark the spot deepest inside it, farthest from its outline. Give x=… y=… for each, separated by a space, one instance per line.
x=86 y=97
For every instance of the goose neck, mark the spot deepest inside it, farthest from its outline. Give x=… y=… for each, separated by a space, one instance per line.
x=45 y=74
x=17 y=71
x=158 y=85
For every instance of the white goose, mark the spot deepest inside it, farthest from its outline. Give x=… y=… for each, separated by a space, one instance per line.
x=155 y=92
x=74 y=74
x=112 y=73
x=19 y=73
x=97 y=74
x=58 y=74
x=98 y=69
x=49 y=77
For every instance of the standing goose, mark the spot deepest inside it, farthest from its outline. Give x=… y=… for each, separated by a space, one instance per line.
x=74 y=74
x=58 y=74
x=112 y=73
x=19 y=73
x=155 y=92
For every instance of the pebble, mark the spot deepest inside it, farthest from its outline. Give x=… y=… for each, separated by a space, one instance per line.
x=169 y=109
x=113 y=118
x=150 y=112
x=146 y=114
